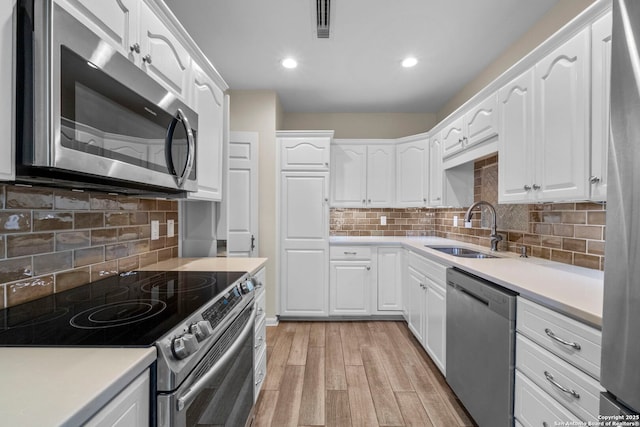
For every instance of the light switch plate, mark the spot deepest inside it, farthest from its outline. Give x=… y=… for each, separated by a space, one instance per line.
x=155 y=230
x=170 y=228
x=455 y=220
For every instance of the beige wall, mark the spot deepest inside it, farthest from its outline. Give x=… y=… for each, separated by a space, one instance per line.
x=563 y=12
x=361 y=125
x=257 y=111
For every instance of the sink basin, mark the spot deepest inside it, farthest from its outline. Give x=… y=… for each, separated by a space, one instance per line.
x=461 y=252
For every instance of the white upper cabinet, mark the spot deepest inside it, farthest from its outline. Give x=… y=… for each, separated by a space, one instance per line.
x=515 y=145
x=561 y=99
x=453 y=137
x=600 y=86
x=435 y=175
x=305 y=153
x=7 y=141
x=362 y=175
x=412 y=173
x=544 y=148
x=163 y=56
x=210 y=103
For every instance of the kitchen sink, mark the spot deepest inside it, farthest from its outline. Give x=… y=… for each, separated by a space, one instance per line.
x=461 y=252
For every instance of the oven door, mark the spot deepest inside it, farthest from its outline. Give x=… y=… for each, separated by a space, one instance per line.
x=97 y=113
x=220 y=389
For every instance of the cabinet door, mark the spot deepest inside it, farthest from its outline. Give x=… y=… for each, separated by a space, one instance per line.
x=129 y=408
x=389 y=279
x=350 y=285
x=600 y=89
x=163 y=56
x=348 y=176
x=411 y=174
x=416 y=303
x=515 y=145
x=116 y=21
x=452 y=138
x=208 y=101
x=304 y=154
x=7 y=141
x=481 y=123
x=435 y=319
x=381 y=176
x=436 y=177
x=562 y=121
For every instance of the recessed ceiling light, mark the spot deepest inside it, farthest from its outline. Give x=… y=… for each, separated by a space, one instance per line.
x=409 y=62
x=289 y=63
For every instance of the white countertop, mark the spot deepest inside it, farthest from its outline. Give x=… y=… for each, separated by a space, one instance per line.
x=574 y=291
x=64 y=386
x=250 y=265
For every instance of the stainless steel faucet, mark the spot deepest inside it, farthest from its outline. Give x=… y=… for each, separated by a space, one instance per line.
x=495 y=237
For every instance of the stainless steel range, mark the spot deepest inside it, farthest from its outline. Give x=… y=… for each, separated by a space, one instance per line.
x=201 y=324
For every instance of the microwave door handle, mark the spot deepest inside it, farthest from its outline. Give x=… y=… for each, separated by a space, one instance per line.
x=190 y=147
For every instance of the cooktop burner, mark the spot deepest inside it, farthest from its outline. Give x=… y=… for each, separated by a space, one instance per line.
x=132 y=309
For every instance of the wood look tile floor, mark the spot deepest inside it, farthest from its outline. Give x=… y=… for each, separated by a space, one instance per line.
x=353 y=374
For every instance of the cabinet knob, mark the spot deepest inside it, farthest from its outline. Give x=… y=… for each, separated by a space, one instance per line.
x=536 y=187
x=424 y=200
x=147 y=58
x=326 y=164
x=135 y=47
x=464 y=140
x=364 y=201
x=438 y=198
x=368 y=267
x=594 y=179
x=369 y=201
x=527 y=187
x=326 y=200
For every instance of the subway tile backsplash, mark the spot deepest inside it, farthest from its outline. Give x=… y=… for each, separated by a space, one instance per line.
x=571 y=233
x=53 y=239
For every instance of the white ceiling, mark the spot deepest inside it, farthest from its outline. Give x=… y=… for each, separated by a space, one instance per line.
x=358 y=68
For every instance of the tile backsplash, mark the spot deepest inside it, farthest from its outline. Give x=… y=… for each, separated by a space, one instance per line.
x=53 y=239
x=571 y=233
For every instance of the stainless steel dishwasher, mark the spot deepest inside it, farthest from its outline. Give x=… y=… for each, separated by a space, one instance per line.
x=481 y=347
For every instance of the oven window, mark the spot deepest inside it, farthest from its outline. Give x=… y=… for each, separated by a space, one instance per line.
x=101 y=116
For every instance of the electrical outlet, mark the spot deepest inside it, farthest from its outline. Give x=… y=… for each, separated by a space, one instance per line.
x=170 y=228
x=467 y=224
x=455 y=220
x=383 y=220
x=155 y=230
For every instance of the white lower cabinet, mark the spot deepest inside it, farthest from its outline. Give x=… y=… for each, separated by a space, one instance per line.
x=350 y=287
x=130 y=408
x=389 y=279
x=426 y=308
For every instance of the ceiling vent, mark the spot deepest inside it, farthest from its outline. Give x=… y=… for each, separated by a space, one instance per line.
x=323 y=13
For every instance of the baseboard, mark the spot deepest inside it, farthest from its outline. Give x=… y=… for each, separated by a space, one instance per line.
x=272 y=321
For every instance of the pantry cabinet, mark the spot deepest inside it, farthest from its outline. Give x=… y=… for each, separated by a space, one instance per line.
x=7 y=140
x=362 y=175
x=412 y=172
x=600 y=89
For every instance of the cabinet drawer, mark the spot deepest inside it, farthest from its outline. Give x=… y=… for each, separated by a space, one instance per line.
x=535 y=408
x=573 y=341
x=435 y=271
x=259 y=375
x=260 y=307
x=350 y=252
x=260 y=340
x=581 y=394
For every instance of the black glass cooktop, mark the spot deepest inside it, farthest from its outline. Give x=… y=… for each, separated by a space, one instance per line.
x=132 y=309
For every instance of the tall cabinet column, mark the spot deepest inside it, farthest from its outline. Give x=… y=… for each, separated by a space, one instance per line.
x=303 y=223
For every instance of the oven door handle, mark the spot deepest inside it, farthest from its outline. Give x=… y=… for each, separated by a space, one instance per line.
x=199 y=385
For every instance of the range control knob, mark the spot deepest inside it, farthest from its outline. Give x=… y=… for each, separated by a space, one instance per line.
x=184 y=345
x=201 y=329
x=246 y=286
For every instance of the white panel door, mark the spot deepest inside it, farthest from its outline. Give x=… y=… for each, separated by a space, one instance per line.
x=163 y=57
x=381 y=176
x=415 y=305
x=350 y=287
x=348 y=176
x=481 y=123
x=242 y=198
x=304 y=212
x=562 y=121
x=412 y=173
x=515 y=143
x=7 y=143
x=436 y=177
x=304 y=282
x=435 y=328
x=600 y=89
x=208 y=100
x=389 y=279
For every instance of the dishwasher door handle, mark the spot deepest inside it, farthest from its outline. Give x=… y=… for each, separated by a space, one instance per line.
x=472 y=295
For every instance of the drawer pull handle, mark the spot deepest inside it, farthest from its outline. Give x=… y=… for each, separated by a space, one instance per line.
x=550 y=333
x=351 y=253
x=562 y=388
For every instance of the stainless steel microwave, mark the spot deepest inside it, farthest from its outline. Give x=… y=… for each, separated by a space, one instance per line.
x=87 y=117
